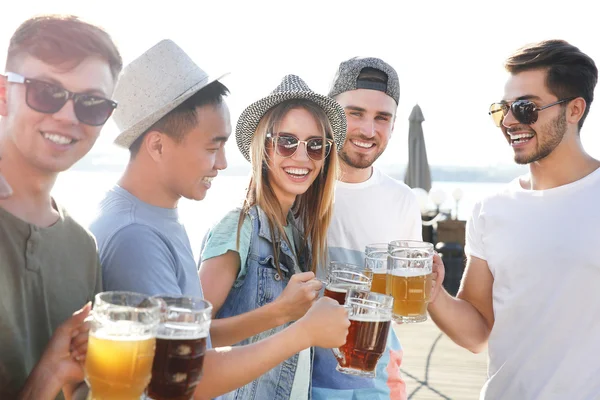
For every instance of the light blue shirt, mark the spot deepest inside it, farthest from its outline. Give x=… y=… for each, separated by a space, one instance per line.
x=143 y=248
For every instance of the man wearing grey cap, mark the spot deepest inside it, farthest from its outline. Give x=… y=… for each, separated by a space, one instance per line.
x=370 y=207
x=174 y=121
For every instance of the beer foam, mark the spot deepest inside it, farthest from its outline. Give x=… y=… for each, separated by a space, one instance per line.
x=343 y=288
x=337 y=289
x=183 y=331
x=122 y=336
x=370 y=318
x=411 y=272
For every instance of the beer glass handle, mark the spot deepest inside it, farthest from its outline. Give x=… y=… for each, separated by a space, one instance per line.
x=91 y=317
x=324 y=283
x=336 y=351
x=350 y=310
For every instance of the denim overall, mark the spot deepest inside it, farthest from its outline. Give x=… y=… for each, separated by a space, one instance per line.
x=261 y=285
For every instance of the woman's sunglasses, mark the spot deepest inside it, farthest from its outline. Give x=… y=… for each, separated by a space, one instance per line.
x=524 y=111
x=286 y=145
x=48 y=98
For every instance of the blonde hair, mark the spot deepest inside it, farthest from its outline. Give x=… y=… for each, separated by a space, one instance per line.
x=313 y=209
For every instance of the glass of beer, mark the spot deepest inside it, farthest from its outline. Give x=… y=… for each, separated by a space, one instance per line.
x=342 y=276
x=121 y=345
x=376 y=259
x=370 y=317
x=180 y=348
x=409 y=281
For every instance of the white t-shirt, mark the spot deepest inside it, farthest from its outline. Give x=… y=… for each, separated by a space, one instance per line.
x=379 y=210
x=542 y=248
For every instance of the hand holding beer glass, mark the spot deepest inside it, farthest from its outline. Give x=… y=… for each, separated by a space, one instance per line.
x=180 y=347
x=342 y=276
x=325 y=324
x=376 y=256
x=409 y=279
x=121 y=345
x=299 y=295
x=370 y=317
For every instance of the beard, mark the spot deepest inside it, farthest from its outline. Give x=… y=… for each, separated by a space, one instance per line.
x=358 y=160
x=552 y=134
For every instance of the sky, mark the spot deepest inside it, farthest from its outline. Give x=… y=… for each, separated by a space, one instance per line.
x=448 y=54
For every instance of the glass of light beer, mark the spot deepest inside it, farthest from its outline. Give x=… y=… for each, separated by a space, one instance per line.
x=121 y=345
x=409 y=281
x=376 y=259
x=343 y=276
x=180 y=348
x=370 y=317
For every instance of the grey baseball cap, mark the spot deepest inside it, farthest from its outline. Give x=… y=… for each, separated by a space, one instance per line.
x=346 y=78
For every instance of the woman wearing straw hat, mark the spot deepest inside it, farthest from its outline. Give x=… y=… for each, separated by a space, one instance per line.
x=259 y=262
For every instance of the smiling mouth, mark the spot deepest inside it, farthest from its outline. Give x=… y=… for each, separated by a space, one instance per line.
x=521 y=138
x=58 y=139
x=297 y=172
x=363 y=145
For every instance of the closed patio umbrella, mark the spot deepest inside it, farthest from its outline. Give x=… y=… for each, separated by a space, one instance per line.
x=417 y=172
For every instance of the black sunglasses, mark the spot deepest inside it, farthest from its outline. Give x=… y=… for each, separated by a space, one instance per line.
x=48 y=98
x=525 y=111
x=286 y=145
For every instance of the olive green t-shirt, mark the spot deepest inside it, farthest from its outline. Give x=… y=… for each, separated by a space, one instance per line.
x=46 y=274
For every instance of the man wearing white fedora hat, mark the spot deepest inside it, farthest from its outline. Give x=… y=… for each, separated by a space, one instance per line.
x=54 y=100
x=175 y=123
x=162 y=95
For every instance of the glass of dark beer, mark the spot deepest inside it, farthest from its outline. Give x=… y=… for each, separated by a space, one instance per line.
x=180 y=348
x=343 y=276
x=370 y=317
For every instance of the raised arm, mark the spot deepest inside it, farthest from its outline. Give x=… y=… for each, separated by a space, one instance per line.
x=324 y=325
x=467 y=319
x=218 y=275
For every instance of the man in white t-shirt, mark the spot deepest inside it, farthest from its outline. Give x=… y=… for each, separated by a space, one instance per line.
x=530 y=289
x=370 y=207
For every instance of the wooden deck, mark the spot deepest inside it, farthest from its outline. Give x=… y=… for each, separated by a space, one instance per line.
x=436 y=368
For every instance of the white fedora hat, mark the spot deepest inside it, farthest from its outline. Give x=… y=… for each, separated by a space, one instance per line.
x=291 y=87
x=153 y=85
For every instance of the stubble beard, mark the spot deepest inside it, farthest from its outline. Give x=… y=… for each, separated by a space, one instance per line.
x=357 y=161
x=553 y=131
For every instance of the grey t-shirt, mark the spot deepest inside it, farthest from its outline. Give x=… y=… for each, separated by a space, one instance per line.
x=143 y=248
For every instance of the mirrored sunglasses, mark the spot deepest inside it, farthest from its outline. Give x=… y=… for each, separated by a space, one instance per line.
x=286 y=145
